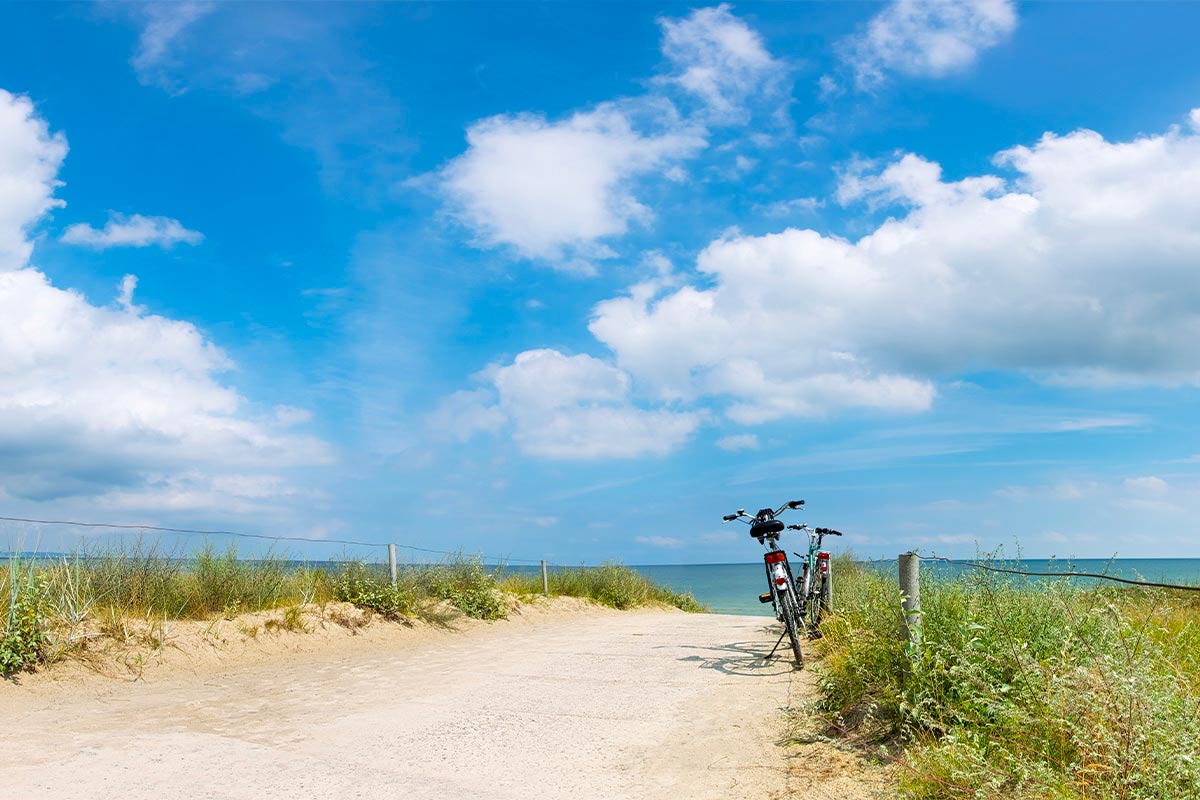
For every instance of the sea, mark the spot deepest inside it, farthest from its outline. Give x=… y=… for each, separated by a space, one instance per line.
x=734 y=588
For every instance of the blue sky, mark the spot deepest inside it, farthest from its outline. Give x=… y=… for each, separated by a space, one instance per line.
x=572 y=280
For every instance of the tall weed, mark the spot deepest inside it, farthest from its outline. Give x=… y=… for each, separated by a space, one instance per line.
x=1021 y=689
x=23 y=638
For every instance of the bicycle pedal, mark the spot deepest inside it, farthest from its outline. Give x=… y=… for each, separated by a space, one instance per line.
x=764 y=598
x=815 y=634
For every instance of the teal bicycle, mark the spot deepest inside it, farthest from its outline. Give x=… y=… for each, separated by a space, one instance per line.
x=815 y=586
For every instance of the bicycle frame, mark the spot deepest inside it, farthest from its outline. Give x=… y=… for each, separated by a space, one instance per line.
x=776 y=557
x=816 y=562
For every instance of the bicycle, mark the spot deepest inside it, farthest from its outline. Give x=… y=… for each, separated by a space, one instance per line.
x=782 y=596
x=816 y=579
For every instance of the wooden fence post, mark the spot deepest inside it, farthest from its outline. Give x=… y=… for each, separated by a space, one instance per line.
x=910 y=589
x=392 y=564
x=545 y=580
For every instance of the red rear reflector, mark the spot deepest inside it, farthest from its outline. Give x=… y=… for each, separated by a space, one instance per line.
x=823 y=555
x=775 y=556
x=780 y=581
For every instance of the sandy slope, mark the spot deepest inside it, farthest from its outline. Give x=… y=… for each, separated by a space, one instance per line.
x=599 y=705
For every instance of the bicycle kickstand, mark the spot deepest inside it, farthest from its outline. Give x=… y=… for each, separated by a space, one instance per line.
x=778 y=642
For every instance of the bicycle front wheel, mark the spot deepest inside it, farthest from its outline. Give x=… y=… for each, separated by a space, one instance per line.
x=794 y=622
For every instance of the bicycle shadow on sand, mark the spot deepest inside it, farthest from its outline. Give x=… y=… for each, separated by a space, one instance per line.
x=744 y=659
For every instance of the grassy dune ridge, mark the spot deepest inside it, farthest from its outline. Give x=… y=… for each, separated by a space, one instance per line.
x=1021 y=689
x=611 y=584
x=45 y=604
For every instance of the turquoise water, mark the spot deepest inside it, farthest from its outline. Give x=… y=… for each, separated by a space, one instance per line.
x=734 y=588
x=724 y=588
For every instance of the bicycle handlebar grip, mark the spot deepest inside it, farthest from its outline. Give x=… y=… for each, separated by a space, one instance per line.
x=730 y=517
x=832 y=532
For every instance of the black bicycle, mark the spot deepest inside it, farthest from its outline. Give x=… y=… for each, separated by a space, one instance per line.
x=782 y=595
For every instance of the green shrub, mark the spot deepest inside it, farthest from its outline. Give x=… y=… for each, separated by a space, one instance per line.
x=369 y=588
x=1021 y=689
x=467 y=584
x=23 y=639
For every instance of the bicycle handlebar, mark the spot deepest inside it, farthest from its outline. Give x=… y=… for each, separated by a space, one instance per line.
x=817 y=531
x=741 y=512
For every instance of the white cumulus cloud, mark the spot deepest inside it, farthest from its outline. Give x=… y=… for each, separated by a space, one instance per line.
x=720 y=59
x=132 y=231
x=930 y=38
x=578 y=407
x=464 y=414
x=1080 y=267
x=562 y=191
x=92 y=396
x=566 y=408
x=112 y=401
x=552 y=190
x=29 y=160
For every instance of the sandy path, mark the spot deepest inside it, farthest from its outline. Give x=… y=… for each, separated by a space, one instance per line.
x=636 y=705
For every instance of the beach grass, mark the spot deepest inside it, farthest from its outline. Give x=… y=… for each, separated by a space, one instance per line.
x=612 y=584
x=46 y=604
x=1019 y=689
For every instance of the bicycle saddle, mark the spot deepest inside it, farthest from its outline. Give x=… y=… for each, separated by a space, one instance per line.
x=769 y=527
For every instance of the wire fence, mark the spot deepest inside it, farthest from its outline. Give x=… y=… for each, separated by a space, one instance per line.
x=1042 y=574
x=136 y=528
x=139 y=528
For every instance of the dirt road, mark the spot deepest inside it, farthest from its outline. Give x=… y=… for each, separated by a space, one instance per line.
x=632 y=705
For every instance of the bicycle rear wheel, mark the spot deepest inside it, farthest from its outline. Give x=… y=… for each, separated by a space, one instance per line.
x=827 y=591
x=820 y=602
x=793 y=621
x=814 y=609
